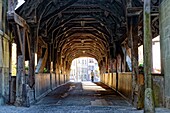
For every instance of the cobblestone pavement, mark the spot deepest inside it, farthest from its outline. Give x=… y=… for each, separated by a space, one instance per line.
x=85 y=97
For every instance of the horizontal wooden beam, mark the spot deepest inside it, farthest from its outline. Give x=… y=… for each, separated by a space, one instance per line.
x=140 y=12
x=83 y=11
x=57 y=11
x=13 y=17
x=136 y=11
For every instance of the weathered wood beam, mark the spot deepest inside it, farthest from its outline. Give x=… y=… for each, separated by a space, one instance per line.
x=41 y=42
x=76 y=5
x=33 y=42
x=62 y=32
x=95 y=53
x=42 y=62
x=103 y=31
x=148 y=101
x=76 y=54
x=20 y=80
x=136 y=11
x=55 y=27
x=134 y=58
x=12 y=5
x=28 y=44
x=108 y=22
x=115 y=9
x=82 y=11
x=20 y=39
x=99 y=44
x=55 y=12
x=105 y=22
x=85 y=44
x=49 y=64
x=1 y=14
x=124 y=58
x=21 y=91
x=98 y=37
x=13 y=17
x=71 y=28
x=85 y=48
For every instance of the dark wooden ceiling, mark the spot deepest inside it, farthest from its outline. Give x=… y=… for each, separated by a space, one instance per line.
x=79 y=27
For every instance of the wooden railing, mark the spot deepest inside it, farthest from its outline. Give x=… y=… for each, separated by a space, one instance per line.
x=125 y=85
x=45 y=82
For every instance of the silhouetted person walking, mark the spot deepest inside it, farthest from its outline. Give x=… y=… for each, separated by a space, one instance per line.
x=92 y=76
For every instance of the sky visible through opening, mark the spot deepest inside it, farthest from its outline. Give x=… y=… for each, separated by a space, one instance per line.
x=20 y=2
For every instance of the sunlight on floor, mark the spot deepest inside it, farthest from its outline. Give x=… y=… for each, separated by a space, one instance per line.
x=92 y=86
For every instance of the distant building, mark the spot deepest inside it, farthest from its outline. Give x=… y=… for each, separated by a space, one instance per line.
x=81 y=69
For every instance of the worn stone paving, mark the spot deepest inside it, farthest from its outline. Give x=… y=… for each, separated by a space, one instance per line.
x=85 y=97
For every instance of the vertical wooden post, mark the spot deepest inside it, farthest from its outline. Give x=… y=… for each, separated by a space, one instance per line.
x=49 y=58
x=117 y=82
x=21 y=94
x=1 y=60
x=148 y=101
x=10 y=72
x=124 y=58
x=129 y=3
x=12 y=5
x=33 y=43
x=19 y=81
x=4 y=15
x=2 y=99
x=132 y=59
x=49 y=64
x=130 y=37
x=125 y=65
x=1 y=15
x=111 y=68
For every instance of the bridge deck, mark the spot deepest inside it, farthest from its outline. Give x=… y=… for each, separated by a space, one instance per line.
x=80 y=97
x=84 y=94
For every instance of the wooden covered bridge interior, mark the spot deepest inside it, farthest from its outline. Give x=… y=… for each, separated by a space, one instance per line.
x=58 y=31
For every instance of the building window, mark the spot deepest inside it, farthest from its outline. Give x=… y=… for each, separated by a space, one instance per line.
x=92 y=68
x=91 y=61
